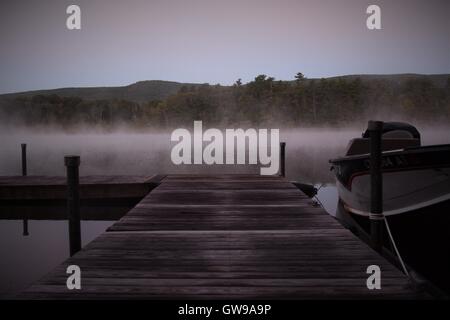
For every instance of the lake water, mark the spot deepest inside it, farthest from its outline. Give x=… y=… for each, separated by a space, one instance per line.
x=25 y=259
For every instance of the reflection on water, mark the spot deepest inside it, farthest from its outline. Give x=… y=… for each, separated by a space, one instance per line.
x=26 y=259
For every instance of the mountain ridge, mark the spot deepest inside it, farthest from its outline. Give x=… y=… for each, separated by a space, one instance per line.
x=140 y=91
x=148 y=90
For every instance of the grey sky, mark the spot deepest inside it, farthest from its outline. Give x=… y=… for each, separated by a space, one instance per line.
x=214 y=41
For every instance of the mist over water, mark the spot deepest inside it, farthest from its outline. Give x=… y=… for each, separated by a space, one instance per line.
x=131 y=153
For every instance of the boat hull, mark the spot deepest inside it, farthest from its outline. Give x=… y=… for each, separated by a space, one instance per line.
x=413 y=178
x=416 y=205
x=403 y=191
x=422 y=237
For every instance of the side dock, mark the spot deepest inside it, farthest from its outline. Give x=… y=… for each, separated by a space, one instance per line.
x=44 y=197
x=225 y=237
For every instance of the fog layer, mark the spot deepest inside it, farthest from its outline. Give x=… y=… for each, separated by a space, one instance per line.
x=124 y=153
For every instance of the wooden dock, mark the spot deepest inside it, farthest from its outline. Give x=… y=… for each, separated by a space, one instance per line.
x=44 y=197
x=225 y=237
x=19 y=188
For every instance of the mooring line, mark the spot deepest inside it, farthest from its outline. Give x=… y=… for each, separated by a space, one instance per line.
x=395 y=247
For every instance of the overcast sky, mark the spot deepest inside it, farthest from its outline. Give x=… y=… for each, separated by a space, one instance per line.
x=214 y=41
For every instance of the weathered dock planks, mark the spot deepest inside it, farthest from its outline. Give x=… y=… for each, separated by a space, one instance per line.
x=225 y=237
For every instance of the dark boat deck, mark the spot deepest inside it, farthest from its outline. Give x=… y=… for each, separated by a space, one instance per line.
x=225 y=237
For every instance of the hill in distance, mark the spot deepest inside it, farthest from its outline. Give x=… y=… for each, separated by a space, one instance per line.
x=141 y=91
x=144 y=91
x=439 y=80
x=307 y=102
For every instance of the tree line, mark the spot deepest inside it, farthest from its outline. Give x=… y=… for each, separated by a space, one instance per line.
x=261 y=102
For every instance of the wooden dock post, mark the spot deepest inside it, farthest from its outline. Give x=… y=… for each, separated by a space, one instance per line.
x=25 y=227
x=376 y=185
x=283 y=159
x=24 y=159
x=73 y=203
x=24 y=173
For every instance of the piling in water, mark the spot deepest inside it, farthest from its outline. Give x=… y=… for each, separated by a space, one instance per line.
x=25 y=227
x=283 y=159
x=24 y=159
x=72 y=164
x=376 y=184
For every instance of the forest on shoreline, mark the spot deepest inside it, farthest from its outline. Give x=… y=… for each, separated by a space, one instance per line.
x=263 y=102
